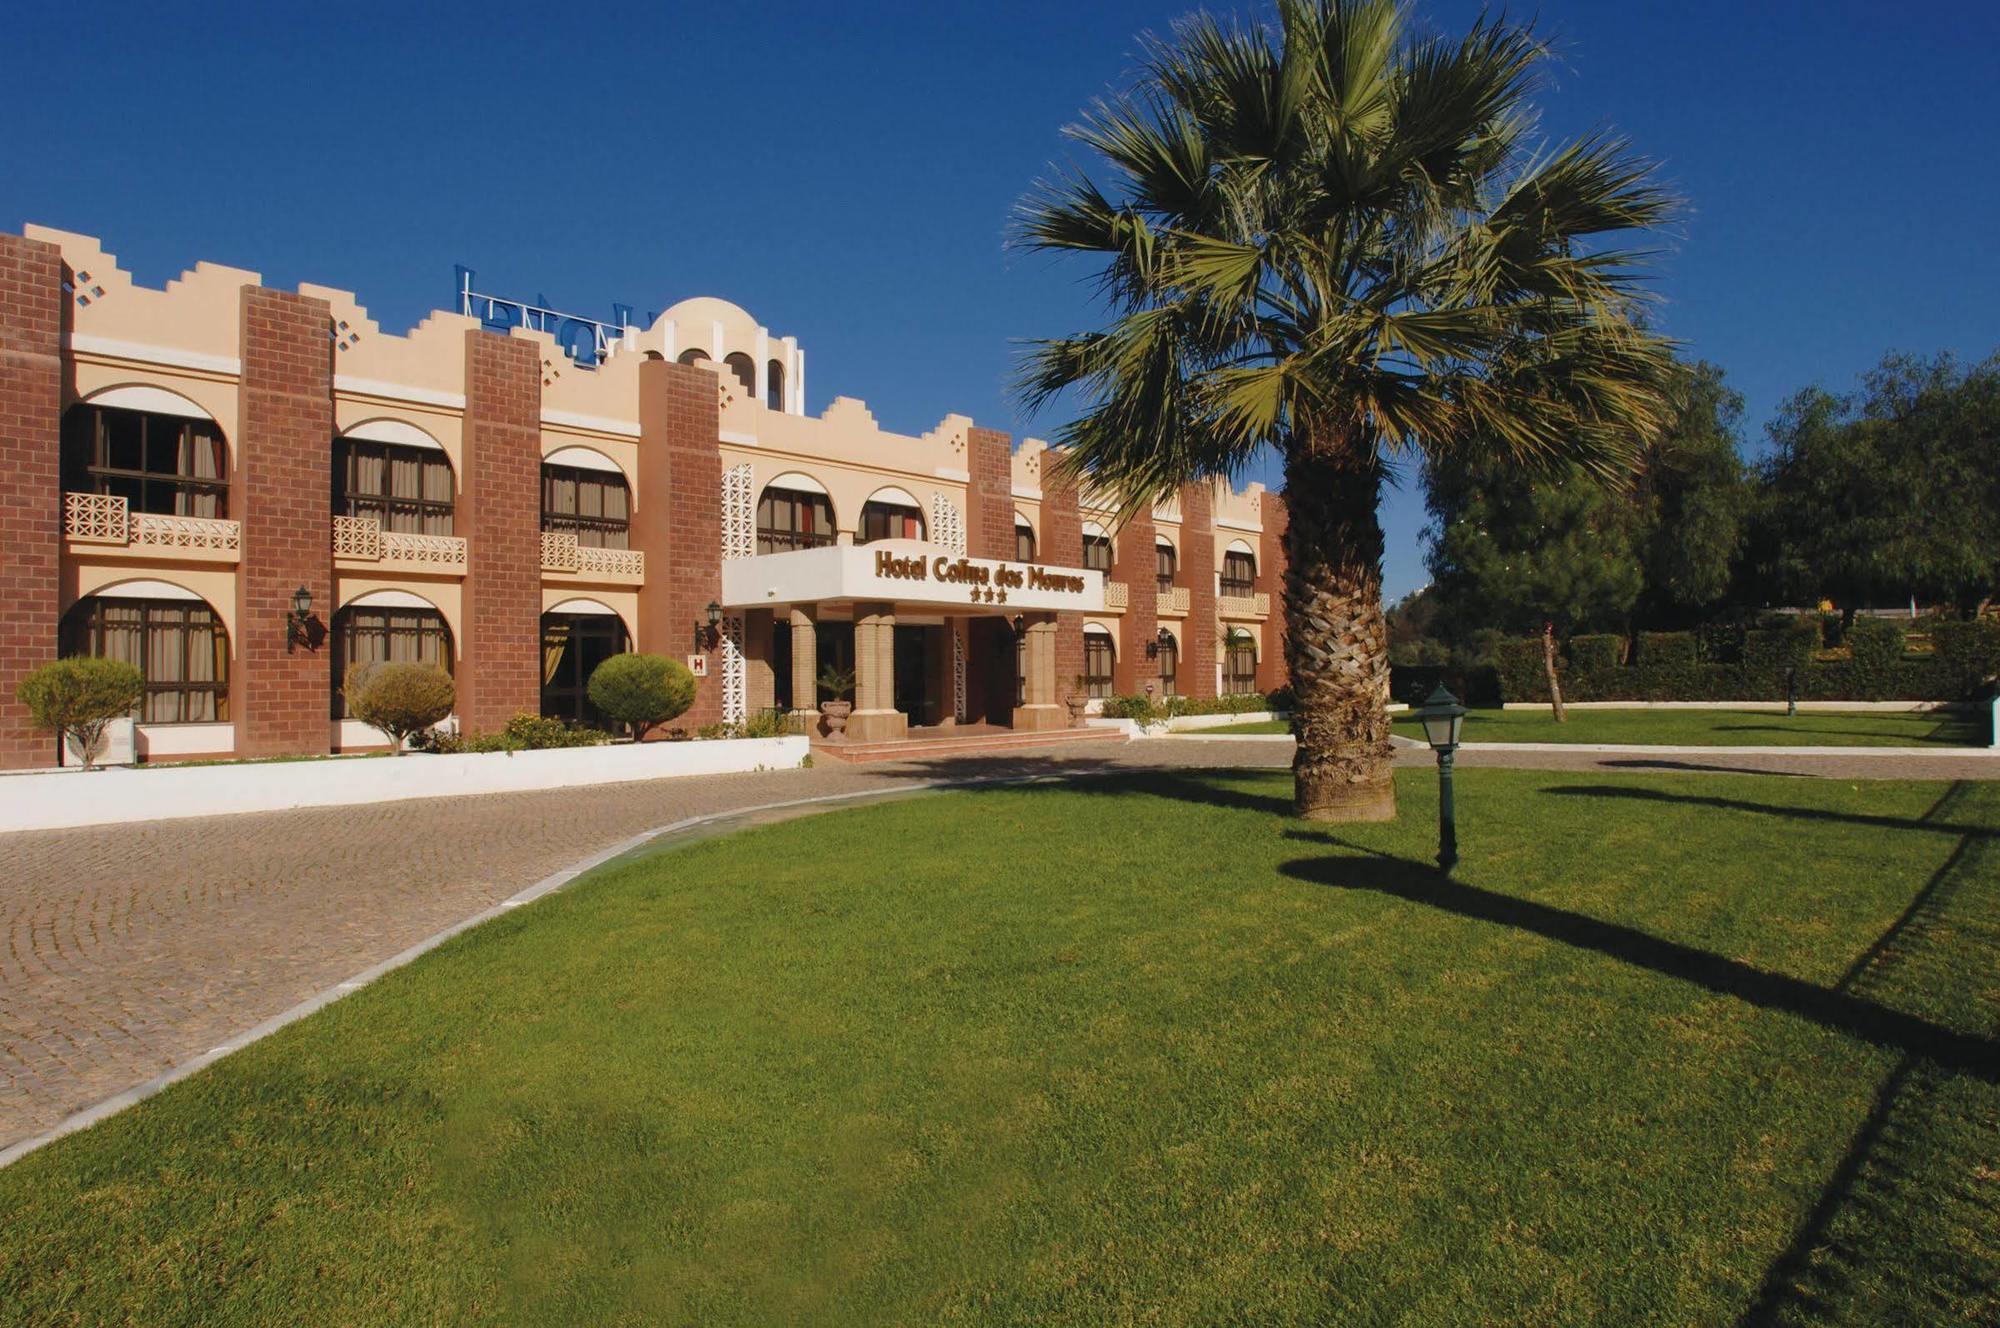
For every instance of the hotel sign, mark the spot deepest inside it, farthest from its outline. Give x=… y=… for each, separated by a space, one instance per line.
x=909 y=572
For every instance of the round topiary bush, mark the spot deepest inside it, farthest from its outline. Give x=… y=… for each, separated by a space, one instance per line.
x=399 y=698
x=641 y=690
x=76 y=699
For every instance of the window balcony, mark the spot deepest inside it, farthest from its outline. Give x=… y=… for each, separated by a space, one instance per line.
x=1117 y=596
x=1256 y=605
x=105 y=523
x=361 y=539
x=561 y=554
x=1174 y=603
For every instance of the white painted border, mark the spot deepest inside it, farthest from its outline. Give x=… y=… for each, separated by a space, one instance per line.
x=54 y=800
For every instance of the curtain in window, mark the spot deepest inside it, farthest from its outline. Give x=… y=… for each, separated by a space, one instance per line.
x=436 y=489
x=206 y=665
x=199 y=457
x=555 y=643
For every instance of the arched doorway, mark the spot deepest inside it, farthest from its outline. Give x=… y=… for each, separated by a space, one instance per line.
x=573 y=645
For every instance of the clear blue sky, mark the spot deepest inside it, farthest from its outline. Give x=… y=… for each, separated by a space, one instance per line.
x=845 y=171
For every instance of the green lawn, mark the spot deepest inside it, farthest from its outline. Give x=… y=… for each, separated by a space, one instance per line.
x=1699 y=728
x=1669 y=1050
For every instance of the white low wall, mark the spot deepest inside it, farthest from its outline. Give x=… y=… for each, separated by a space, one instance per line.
x=56 y=799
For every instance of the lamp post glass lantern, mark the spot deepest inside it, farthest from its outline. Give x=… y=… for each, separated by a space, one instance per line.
x=1443 y=719
x=296 y=632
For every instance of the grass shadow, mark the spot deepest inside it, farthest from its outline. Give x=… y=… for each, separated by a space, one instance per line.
x=1421 y=884
x=1767 y=809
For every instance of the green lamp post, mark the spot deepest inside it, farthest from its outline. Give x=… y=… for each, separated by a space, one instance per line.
x=1443 y=718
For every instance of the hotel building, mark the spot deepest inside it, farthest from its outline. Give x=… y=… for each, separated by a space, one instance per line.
x=242 y=490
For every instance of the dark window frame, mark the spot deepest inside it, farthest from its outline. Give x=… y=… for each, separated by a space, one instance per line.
x=592 y=532
x=876 y=516
x=1166 y=565
x=1170 y=667
x=403 y=516
x=1024 y=542
x=396 y=622
x=1239 y=672
x=1097 y=553
x=83 y=632
x=780 y=539
x=88 y=464
x=1244 y=582
x=572 y=693
x=1098 y=650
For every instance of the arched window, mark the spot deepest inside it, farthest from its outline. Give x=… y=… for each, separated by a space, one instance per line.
x=405 y=487
x=890 y=514
x=774 y=384
x=1239 y=672
x=1239 y=572
x=1024 y=539
x=744 y=368
x=573 y=645
x=790 y=516
x=1096 y=547
x=178 y=645
x=1170 y=665
x=163 y=464
x=587 y=501
x=1097 y=659
x=377 y=633
x=694 y=355
x=1167 y=562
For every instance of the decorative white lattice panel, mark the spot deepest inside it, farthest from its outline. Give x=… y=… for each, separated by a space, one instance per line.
x=947 y=527
x=735 y=672
x=739 y=513
x=958 y=675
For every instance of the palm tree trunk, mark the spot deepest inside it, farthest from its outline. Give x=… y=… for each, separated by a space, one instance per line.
x=1336 y=645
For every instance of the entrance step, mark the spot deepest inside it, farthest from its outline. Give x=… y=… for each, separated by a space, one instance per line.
x=929 y=747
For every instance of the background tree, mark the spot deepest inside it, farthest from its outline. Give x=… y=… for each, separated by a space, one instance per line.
x=77 y=699
x=1694 y=494
x=1887 y=493
x=1344 y=241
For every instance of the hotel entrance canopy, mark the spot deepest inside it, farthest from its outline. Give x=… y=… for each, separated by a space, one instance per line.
x=909 y=572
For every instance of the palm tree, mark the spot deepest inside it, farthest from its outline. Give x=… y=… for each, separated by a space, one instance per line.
x=1338 y=239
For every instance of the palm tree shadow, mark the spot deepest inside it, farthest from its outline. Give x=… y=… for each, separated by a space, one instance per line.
x=1421 y=884
x=1897 y=1234
x=1924 y=823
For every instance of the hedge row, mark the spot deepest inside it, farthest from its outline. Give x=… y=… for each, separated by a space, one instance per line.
x=1757 y=664
x=1146 y=710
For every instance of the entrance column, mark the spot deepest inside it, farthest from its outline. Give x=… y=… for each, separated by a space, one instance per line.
x=1038 y=709
x=875 y=717
x=804 y=717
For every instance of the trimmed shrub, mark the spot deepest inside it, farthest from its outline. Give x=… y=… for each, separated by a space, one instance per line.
x=523 y=733
x=641 y=691
x=1522 y=674
x=399 y=699
x=76 y=699
x=1966 y=654
x=763 y=724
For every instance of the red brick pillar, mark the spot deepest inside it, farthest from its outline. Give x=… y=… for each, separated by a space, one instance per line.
x=499 y=663
x=283 y=495
x=1271 y=671
x=989 y=533
x=31 y=316
x=1198 y=638
x=1062 y=546
x=1134 y=563
x=677 y=518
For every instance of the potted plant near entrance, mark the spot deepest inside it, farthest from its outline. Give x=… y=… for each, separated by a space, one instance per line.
x=1078 y=700
x=838 y=684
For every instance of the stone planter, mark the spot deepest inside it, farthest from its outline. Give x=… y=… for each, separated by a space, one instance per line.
x=1078 y=705
x=835 y=713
